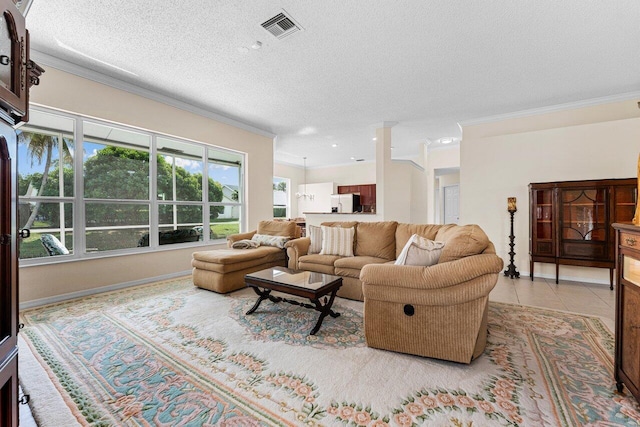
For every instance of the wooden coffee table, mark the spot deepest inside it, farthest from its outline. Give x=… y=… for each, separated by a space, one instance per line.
x=306 y=284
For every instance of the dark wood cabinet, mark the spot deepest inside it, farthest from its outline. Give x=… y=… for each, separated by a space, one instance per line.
x=571 y=221
x=367 y=194
x=17 y=74
x=627 y=353
x=8 y=279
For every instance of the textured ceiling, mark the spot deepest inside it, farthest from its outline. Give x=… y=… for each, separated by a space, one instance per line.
x=425 y=64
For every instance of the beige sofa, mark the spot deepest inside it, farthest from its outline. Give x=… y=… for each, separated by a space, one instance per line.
x=437 y=311
x=223 y=270
x=382 y=242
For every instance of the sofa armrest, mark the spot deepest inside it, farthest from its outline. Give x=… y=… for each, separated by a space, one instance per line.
x=448 y=283
x=232 y=238
x=295 y=249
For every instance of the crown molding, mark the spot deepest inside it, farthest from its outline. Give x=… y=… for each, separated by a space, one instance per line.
x=551 y=109
x=68 y=67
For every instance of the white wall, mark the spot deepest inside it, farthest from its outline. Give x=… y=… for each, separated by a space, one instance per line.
x=353 y=174
x=321 y=201
x=71 y=93
x=499 y=160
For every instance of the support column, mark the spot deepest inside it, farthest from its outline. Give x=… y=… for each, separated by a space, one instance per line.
x=383 y=168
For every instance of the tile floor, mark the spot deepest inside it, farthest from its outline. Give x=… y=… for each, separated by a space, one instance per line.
x=578 y=297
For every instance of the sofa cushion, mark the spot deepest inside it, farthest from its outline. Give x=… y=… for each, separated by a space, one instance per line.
x=351 y=266
x=461 y=241
x=377 y=239
x=405 y=231
x=420 y=251
x=337 y=241
x=317 y=262
x=278 y=228
x=358 y=261
x=315 y=234
x=228 y=260
x=319 y=259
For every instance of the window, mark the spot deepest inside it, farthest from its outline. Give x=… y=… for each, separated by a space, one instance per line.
x=122 y=200
x=280 y=197
x=225 y=192
x=116 y=187
x=46 y=183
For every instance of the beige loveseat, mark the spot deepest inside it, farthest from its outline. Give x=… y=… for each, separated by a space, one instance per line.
x=223 y=270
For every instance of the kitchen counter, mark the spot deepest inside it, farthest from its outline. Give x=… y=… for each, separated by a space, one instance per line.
x=339 y=213
x=317 y=218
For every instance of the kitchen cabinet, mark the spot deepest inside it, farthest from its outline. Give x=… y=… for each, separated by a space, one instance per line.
x=367 y=194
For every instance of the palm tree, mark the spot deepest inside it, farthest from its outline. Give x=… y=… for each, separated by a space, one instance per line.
x=39 y=146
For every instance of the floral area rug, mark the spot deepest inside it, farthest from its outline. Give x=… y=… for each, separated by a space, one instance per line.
x=170 y=354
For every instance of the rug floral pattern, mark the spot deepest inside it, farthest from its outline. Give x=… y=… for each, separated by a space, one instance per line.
x=169 y=354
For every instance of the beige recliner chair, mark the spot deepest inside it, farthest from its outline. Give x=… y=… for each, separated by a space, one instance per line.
x=438 y=311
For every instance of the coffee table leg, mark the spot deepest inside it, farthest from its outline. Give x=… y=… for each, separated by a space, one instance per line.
x=325 y=310
x=262 y=295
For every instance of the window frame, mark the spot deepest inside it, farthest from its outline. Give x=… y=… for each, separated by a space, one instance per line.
x=79 y=202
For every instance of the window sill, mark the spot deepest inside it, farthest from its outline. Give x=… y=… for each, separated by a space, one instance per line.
x=60 y=259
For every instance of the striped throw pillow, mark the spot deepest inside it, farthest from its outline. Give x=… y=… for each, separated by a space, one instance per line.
x=315 y=233
x=337 y=241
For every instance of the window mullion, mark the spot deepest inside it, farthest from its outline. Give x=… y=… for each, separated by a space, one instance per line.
x=153 y=195
x=206 y=226
x=79 y=236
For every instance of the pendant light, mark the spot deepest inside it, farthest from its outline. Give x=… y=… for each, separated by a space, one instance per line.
x=304 y=195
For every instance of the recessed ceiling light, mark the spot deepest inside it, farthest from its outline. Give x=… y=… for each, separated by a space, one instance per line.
x=353 y=158
x=257 y=45
x=309 y=130
x=374 y=139
x=334 y=145
x=446 y=140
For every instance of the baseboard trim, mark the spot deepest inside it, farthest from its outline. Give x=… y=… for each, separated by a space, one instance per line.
x=79 y=294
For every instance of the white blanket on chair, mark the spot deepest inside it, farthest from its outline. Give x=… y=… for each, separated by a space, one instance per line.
x=245 y=244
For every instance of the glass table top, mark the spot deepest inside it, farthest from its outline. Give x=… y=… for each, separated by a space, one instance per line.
x=298 y=278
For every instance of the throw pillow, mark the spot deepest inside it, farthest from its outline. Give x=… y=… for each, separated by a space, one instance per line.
x=420 y=251
x=315 y=233
x=337 y=241
x=267 y=240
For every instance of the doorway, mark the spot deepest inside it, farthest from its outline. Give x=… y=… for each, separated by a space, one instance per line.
x=451 y=204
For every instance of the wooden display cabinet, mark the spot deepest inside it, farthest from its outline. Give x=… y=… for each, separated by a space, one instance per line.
x=571 y=221
x=627 y=355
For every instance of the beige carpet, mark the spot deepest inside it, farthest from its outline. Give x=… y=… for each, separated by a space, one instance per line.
x=171 y=354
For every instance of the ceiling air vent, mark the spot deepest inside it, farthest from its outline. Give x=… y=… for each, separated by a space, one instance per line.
x=281 y=25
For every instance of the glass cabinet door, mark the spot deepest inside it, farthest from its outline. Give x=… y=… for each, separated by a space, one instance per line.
x=543 y=229
x=584 y=214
